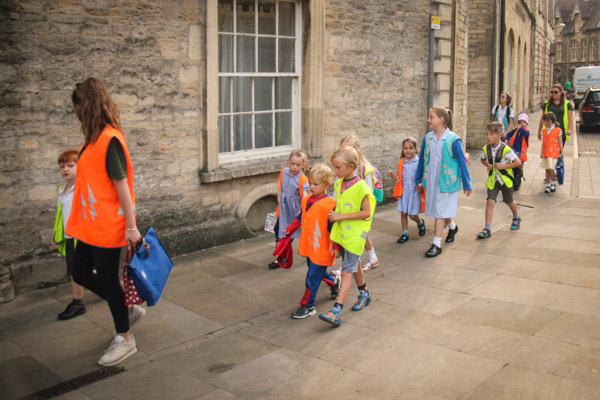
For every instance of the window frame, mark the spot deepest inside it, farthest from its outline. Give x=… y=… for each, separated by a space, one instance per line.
x=225 y=158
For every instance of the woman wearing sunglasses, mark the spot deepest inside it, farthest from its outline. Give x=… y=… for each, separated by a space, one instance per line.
x=562 y=108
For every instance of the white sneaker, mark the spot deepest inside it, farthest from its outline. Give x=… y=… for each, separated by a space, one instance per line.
x=135 y=314
x=118 y=351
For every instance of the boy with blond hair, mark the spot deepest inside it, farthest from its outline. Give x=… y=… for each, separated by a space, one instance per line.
x=315 y=244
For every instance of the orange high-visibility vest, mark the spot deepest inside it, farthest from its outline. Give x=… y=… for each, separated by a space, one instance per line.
x=303 y=179
x=399 y=186
x=524 y=145
x=97 y=217
x=550 y=143
x=314 y=238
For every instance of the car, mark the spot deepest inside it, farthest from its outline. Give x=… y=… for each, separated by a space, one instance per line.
x=589 y=109
x=583 y=78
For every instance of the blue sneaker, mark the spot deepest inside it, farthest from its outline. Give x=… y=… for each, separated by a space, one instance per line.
x=334 y=316
x=364 y=299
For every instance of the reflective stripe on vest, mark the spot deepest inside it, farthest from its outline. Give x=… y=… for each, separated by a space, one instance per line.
x=314 y=238
x=565 y=123
x=301 y=181
x=351 y=234
x=97 y=217
x=507 y=175
x=550 y=143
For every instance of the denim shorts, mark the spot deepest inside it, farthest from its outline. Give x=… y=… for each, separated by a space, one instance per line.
x=350 y=261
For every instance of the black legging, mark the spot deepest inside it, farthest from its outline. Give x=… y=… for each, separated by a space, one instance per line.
x=105 y=282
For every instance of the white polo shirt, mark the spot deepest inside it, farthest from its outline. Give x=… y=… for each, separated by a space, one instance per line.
x=66 y=200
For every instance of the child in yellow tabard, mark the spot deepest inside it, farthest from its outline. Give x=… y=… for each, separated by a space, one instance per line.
x=355 y=205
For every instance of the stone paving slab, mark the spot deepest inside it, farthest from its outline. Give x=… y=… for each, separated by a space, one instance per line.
x=505 y=315
x=433 y=369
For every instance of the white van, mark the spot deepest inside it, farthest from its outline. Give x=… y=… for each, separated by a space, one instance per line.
x=583 y=78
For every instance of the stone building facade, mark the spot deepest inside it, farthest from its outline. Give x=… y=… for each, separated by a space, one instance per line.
x=577 y=37
x=195 y=80
x=509 y=47
x=213 y=96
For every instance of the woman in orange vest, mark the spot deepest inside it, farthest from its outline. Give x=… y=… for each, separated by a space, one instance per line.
x=102 y=218
x=552 y=149
x=411 y=201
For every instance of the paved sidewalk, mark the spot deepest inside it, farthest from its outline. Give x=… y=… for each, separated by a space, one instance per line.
x=513 y=317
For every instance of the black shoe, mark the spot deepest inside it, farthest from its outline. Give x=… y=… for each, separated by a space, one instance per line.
x=274 y=265
x=421 y=226
x=303 y=312
x=403 y=238
x=335 y=289
x=451 y=233
x=433 y=251
x=72 y=311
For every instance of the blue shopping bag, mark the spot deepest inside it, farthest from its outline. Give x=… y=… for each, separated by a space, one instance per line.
x=150 y=268
x=560 y=170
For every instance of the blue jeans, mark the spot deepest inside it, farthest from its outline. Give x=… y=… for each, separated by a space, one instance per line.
x=315 y=274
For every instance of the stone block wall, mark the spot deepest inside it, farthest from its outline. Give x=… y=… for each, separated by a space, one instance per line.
x=152 y=56
x=481 y=33
x=461 y=70
x=375 y=76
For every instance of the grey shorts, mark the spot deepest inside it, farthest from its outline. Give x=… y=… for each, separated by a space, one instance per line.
x=507 y=193
x=350 y=261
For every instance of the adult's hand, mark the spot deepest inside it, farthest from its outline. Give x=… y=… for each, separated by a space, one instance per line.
x=133 y=239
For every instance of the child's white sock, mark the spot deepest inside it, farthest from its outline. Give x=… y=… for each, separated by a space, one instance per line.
x=437 y=241
x=452 y=225
x=372 y=255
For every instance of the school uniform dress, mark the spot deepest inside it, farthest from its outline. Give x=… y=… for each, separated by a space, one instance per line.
x=410 y=201
x=290 y=195
x=439 y=204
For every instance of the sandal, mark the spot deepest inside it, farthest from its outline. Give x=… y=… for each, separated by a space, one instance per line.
x=421 y=226
x=403 y=238
x=516 y=224
x=370 y=265
x=484 y=234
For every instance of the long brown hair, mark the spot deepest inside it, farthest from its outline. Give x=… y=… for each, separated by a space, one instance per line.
x=94 y=108
x=562 y=94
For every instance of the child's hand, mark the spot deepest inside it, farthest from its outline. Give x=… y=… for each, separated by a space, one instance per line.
x=468 y=192
x=333 y=216
x=541 y=156
x=286 y=233
x=53 y=242
x=390 y=173
x=336 y=254
x=490 y=166
x=500 y=167
x=419 y=186
x=539 y=135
